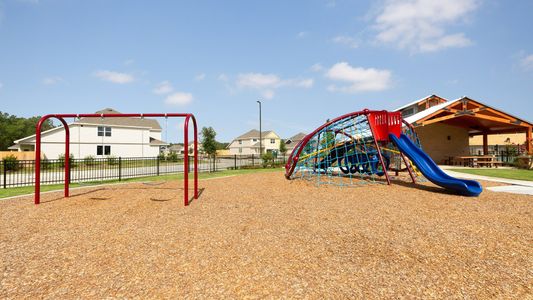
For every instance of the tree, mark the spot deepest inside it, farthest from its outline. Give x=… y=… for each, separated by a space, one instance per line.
x=282 y=147
x=14 y=128
x=208 y=142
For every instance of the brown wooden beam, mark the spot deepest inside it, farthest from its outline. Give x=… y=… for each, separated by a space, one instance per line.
x=485 y=144
x=496 y=119
x=439 y=119
x=529 y=142
x=505 y=131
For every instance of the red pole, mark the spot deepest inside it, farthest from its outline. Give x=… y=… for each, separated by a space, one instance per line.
x=67 y=156
x=37 y=198
x=408 y=166
x=195 y=157
x=186 y=162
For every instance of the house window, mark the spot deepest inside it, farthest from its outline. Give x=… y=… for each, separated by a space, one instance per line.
x=272 y=141
x=240 y=150
x=103 y=150
x=104 y=131
x=254 y=140
x=240 y=142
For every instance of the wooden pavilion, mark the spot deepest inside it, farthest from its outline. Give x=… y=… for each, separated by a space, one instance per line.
x=446 y=125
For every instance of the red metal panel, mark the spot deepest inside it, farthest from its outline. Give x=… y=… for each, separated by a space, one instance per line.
x=394 y=123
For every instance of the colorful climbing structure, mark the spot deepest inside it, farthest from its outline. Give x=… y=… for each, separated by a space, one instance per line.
x=362 y=147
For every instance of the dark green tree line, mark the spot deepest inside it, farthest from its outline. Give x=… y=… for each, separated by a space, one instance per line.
x=13 y=128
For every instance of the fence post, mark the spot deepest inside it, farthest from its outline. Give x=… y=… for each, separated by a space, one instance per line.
x=120 y=168
x=214 y=162
x=158 y=165
x=252 y=160
x=5 y=174
x=235 y=161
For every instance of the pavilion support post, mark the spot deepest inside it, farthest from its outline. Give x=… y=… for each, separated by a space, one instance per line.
x=529 y=142
x=485 y=144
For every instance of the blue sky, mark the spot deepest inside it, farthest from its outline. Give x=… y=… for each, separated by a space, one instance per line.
x=306 y=60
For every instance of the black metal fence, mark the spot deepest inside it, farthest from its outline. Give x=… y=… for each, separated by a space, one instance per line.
x=15 y=173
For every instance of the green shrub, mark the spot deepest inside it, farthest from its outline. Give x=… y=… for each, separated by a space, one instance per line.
x=46 y=164
x=11 y=163
x=172 y=156
x=268 y=159
x=89 y=160
x=111 y=160
x=161 y=157
x=72 y=161
x=523 y=162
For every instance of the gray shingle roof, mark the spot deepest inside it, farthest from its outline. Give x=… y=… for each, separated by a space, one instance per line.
x=136 y=122
x=296 y=138
x=252 y=134
x=157 y=142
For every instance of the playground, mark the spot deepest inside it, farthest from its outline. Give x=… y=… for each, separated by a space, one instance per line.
x=260 y=235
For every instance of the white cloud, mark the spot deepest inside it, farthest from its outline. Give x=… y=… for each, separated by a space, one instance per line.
x=52 y=80
x=223 y=77
x=358 y=79
x=179 y=98
x=527 y=62
x=268 y=94
x=163 y=88
x=200 y=77
x=129 y=62
x=302 y=34
x=258 y=80
x=115 y=77
x=420 y=25
x=268 y=83
x=317 y=67
x=346 y=40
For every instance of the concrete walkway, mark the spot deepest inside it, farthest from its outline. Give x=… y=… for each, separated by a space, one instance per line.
x=515 y=187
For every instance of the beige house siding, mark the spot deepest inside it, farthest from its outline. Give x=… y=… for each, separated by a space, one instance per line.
x=435 y=142
x=248 y=146
x=499 y=139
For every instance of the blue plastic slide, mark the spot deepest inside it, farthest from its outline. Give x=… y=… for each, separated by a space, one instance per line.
x=431 y=171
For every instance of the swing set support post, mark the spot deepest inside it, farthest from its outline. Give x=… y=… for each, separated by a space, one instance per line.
x=61 y=118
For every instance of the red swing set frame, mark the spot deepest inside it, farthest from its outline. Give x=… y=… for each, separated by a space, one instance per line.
x=61 y=117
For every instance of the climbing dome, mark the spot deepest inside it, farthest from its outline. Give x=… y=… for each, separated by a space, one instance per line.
x=352 y=149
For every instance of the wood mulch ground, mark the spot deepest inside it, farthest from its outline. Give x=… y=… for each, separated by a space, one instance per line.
x=260 y=235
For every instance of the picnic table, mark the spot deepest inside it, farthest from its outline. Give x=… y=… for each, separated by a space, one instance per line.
x=477 y=161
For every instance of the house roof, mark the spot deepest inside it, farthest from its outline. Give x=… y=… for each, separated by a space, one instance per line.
x=429 y=111
x=253 y=134
x=156 y=142
x=418 y=101
x=296 y=138
x=135 y=122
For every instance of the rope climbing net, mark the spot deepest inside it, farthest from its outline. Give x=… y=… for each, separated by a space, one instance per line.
x=350 y=150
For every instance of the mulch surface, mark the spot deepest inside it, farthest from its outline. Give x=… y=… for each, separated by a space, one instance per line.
x=260 y=235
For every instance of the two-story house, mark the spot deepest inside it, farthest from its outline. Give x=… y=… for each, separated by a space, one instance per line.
x=248 y=143
x=100 y=137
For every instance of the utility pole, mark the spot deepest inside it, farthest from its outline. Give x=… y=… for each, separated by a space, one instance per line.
x=260 y=133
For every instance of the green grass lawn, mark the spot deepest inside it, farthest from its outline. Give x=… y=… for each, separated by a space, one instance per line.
x=16 y=191
x=517 y=174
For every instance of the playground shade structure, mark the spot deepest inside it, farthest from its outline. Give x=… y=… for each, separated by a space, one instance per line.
x=359 y=147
